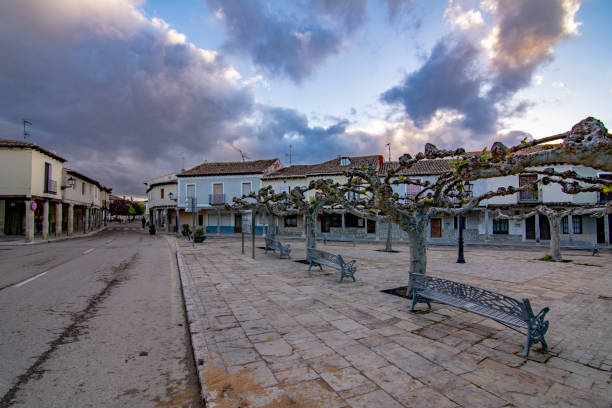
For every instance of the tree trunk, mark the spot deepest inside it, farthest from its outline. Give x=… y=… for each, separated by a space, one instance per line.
x=311 y=237
x=555 y=237
x=418 y=249
x=388 y=245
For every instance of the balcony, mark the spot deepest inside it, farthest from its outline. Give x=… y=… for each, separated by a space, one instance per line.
x=604 y=198
x=528 y=197
x=50 y=187
x=216 y=199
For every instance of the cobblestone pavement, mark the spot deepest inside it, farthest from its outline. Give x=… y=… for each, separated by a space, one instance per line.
x=267 y=333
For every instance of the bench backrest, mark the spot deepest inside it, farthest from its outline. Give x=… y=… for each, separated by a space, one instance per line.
x=474 y=294
x=325 y=256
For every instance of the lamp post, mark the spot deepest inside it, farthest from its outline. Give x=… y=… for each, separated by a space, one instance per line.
x=467 y=192
x=171 y=196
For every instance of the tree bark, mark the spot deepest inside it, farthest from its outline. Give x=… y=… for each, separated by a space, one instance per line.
x=388 y=245
x=555 y=237
x=418 y=248
x=311 y=237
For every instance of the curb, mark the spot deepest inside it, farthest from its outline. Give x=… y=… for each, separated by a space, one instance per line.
x=50 y=241
x=198 y=345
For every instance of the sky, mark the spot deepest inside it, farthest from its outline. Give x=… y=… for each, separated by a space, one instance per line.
x=128 y=90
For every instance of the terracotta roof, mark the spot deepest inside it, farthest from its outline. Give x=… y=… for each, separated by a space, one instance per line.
x=83 y=177
x=29 y=145
x=421 y=168
x=297 y=170
x=329 y=167
x=216 y=169
x=334 y=166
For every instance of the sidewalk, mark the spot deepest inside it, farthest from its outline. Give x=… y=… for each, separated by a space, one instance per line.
x=267 y=333
x=16 y=240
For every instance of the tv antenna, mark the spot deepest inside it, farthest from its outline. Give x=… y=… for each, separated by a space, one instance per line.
x=290 y=155
x=25 y=133
x=389 y=146
x=242 y=154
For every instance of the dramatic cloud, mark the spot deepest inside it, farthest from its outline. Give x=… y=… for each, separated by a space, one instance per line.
x=98 y=76
x=289 y=43
x=473 y=73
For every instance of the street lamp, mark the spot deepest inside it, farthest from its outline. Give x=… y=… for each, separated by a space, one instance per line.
x=171 y=195
x=71 y=182
x=467 y=192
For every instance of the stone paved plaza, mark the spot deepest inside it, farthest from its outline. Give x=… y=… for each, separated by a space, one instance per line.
x=267 y=333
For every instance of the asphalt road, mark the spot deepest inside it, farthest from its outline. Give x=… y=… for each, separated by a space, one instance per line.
x=96 y=321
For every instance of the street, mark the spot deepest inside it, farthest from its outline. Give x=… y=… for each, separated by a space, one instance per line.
x=96 y=321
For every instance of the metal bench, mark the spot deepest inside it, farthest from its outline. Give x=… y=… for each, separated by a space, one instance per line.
x=504 y=309
x=318 y=258
x=339 y=237
x=273 y=244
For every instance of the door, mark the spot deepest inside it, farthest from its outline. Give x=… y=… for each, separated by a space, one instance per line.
x=530 y=227
x=601 y=233
x=544 y=228
x=13 y=219
x=436 y=227
x=325 y=222
x=371 y=227
x=238 y=223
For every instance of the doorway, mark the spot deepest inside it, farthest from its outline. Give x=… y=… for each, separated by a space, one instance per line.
x=544 y=228
x=530 y=228
x=238 y=223
x=436 y=227
x=601 y=232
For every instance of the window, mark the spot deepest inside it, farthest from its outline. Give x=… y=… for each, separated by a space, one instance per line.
x=500 y=226
x=345 y=161
x=200 y=219
x=190 y=191
x=577 y=224
x=161 y=193
x=336 y=220
x=48 y=172
x=285 y=189
x=352 y=195
x=246 y=188
x=83 y=187
x=528 y=196
x=564 y=225
x=605 y=197
x=291 y=221
x=412 y=190
x=462 y=222
x=352 y=221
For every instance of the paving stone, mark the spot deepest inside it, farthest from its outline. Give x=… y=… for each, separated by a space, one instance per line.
x=276 y=348
x=296 y=375
x=347 y=379
x=346 y=324
x=393 y=380
x=425 y=397
x=329 y=362
x=258 y=371
x=374 y=399
x=545 y=371
x=240 y=356
x=472 y=396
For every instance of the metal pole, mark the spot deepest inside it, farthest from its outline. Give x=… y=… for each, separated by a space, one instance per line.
x=193 y=209
x=242 y=241
x=253 y=234
x=460 y=258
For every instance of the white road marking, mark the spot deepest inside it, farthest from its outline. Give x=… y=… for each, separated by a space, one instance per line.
x=29 y=280
x=88 y=251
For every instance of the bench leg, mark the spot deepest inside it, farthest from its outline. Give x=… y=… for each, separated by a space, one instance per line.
x=310 y=267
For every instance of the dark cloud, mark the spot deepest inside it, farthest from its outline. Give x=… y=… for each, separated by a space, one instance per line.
x=476 y=82
x=102 y=78
x=290 y=44
x=450 y=80
x=524 y=36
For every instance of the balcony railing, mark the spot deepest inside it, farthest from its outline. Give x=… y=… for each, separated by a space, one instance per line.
x=216 y=199
x=528 y=197
x=51 y=187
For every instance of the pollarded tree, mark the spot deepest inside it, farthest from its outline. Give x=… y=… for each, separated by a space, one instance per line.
x=264 y=201
x=588 y=144
x=555 y=217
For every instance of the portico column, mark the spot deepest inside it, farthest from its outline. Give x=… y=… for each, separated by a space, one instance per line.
x=86 y=227
x=607 y=229
x=70 y=226
x=537 y=227
x=58 y=220
x=486 y=226
x=343 y=224
x=29 y=221
x=45 y=221
x=218 y=222
x=570 y=227
x=2 y=214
